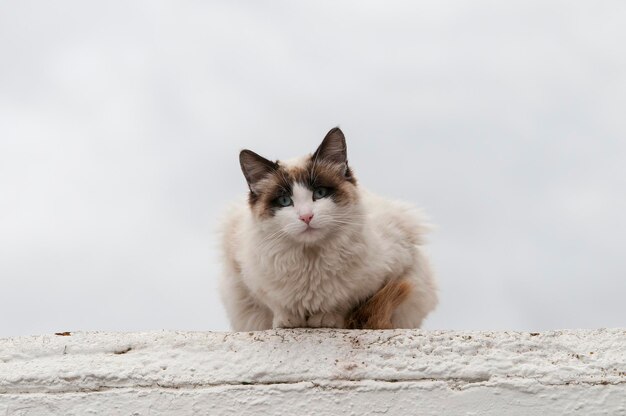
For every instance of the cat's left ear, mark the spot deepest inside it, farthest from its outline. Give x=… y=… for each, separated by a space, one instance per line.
x=333 y=149
x=255 y=168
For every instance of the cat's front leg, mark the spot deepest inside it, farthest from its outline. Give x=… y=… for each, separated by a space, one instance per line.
x=284 y=319
x=326 y=320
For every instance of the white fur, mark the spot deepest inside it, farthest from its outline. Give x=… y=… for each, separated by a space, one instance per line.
x=279 y=275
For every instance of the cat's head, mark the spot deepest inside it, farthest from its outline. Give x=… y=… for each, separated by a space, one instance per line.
x=306 y=199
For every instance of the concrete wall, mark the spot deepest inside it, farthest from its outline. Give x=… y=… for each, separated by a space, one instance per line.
x=315 y=372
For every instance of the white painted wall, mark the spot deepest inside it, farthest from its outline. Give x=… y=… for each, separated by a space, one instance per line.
x=315 y=372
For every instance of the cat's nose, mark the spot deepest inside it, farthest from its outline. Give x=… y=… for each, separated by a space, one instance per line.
x=306 y=218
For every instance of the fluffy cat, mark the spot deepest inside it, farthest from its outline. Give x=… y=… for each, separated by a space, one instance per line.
x=312 y=248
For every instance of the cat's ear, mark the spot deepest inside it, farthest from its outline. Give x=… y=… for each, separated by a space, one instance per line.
x=333 y=148
x=255 y=167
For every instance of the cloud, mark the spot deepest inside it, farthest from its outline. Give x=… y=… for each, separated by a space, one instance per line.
x=120 y=125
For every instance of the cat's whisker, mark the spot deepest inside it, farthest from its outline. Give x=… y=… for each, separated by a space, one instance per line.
x=343 y=219
x=349 y=219
x=271 y=243
x=275 y=235
x=351 y=215
x=341 y=223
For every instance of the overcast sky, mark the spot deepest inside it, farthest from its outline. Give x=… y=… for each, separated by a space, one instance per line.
x=120 y=124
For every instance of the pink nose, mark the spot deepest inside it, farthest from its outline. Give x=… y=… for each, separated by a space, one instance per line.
x=306 y=218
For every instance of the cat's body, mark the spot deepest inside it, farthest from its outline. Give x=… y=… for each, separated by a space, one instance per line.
x=310 y=263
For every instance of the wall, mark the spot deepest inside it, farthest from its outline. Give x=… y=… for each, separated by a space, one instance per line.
x=315 y=372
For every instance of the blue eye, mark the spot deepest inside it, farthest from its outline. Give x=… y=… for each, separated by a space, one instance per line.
x=320 y=192
x=284 y=201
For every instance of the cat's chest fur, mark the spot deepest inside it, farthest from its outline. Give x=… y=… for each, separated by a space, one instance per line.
x=306 y=280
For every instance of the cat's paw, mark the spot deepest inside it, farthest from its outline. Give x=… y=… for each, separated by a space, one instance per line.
x=288 y=321
x=326 y=320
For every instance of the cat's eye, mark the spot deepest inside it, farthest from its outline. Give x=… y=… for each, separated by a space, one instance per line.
x=284 y=201
x=320 y=192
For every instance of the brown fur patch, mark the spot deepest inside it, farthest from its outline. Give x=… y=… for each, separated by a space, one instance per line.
x=268 y=189
x=376 y=311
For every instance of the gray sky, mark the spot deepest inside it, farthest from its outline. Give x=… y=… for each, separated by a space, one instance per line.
x=120 y=124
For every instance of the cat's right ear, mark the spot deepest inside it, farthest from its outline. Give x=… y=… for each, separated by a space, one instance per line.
x=333 y=148
x=255 y=167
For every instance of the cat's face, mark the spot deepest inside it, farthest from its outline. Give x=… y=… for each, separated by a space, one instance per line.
x=305 y=199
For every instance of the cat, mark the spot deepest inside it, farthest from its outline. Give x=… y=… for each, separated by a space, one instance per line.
x=312 y=248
